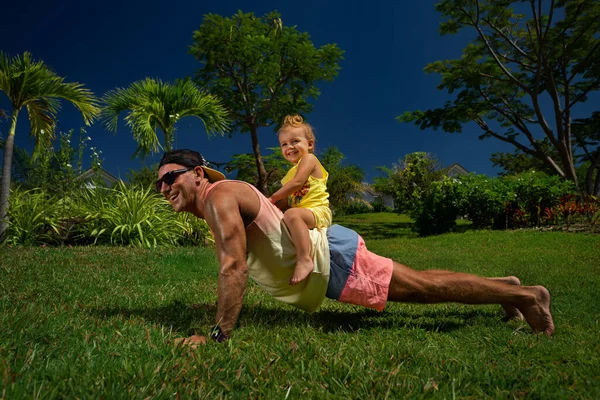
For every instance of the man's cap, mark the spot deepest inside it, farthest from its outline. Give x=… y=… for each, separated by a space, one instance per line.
x=191 y=158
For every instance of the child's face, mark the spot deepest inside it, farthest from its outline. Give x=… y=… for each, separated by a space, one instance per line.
x=294 y=144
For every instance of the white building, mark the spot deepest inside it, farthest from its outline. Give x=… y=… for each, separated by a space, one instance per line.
x=108 y=179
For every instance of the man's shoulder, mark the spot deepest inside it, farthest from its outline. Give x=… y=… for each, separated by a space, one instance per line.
x=231 y=185
x=232 y=189
x=228 y=194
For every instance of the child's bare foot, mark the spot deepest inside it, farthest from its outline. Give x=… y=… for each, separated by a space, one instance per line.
x=537 y=310
x=302 y=270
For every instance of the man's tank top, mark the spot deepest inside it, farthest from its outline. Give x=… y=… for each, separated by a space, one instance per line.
x=271 y=256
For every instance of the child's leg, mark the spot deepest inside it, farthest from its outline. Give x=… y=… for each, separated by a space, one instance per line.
x=299 y=221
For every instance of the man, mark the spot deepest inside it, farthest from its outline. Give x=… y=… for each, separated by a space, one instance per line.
x=252 y=240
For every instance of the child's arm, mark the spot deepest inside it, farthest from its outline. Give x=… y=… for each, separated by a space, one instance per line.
x=305 y=169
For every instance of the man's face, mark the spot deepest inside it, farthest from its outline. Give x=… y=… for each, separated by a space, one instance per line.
x=177 y=183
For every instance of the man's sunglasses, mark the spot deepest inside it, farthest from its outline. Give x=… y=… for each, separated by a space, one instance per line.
x=170 y=177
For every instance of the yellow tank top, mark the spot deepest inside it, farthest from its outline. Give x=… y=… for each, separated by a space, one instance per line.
x=314 y=191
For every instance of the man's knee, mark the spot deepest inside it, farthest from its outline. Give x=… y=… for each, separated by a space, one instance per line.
x=405 y=283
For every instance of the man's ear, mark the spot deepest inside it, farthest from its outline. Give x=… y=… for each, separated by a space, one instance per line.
x=199 y=171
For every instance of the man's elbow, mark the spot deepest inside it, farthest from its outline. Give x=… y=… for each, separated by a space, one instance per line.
x=233 y=268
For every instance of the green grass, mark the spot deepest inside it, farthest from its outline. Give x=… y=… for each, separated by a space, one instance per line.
x=100 y=322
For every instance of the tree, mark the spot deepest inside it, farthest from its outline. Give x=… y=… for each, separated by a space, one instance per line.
x=55 y=167
x=33 y=85
x=261 y=70
x=153 y=104
x=21 y=163
x=409 y=179
x=144 y=177
x=587 y=135
x=520 y=62
x=275 y=166
x=518 y=162
x=423 y=191
x=586 y=132
x=345 y=181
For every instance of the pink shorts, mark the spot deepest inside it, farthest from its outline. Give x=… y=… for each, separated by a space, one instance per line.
x=357 y=276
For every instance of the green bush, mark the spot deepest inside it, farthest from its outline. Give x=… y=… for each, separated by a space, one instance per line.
x=435 y=209
x=87 y=206
x=123 y=215
x=533 y=193
x=356 y=206
x=510 y=201
x=138 y=217
x=32 y=217
x=195 y=231
x=482 y=200
x=378 y=206
x=573 y=209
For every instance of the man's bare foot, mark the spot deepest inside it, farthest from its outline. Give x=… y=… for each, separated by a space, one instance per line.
x=512 y=312
x=536 y=310
x=302 y=270
x=192 y=341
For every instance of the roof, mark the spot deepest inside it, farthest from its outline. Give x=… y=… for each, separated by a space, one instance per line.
x=108 y=178
x=455 y=170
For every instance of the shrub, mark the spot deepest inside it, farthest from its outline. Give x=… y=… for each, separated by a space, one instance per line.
x=378 y=206
x=574 y=209
x=195 y=231
x=533 y=193
x=355 y=206
x=123 y=215
x=436 y=209
x=482 y=200
x=32 y=217
x=87 y=206
x=511 y=201
x=138 y=217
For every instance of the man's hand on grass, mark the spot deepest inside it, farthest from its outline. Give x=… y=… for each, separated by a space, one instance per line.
x=192 y=341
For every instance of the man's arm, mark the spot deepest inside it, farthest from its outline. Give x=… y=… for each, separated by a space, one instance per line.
x=282 y=204
x=222 y=213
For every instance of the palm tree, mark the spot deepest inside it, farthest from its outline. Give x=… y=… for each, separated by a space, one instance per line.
x=33 y=85
x=153 y=104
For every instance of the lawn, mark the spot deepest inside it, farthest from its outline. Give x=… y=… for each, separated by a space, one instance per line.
x=101 y=321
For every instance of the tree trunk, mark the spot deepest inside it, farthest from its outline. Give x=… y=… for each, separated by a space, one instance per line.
x=566 y=157
x=592 y=185
x=6 y=172
x=596 y=189
x=261 y=182
x=589 y=181
x=169 y=138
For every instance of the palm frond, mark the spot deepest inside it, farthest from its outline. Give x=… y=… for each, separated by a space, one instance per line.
x=75 y=93
x=194 y=102
x=26 y=81
x=152 y=104
x=42 y=121
x=143 y=126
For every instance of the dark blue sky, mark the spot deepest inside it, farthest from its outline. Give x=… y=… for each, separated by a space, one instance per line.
x=387 y=44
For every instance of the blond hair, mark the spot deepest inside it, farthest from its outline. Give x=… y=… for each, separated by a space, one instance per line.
x=296 y=121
